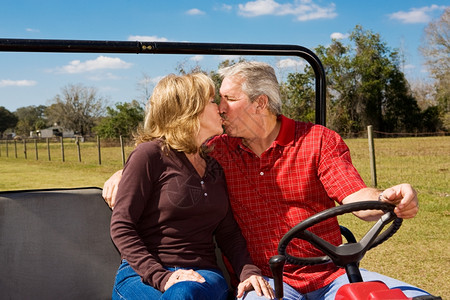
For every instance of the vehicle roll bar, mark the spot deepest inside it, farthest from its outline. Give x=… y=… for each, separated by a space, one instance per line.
x=97 y=46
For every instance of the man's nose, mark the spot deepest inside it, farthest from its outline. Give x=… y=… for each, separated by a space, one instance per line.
x=222 y=105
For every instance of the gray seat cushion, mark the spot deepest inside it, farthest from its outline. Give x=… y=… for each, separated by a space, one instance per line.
x=55 y=244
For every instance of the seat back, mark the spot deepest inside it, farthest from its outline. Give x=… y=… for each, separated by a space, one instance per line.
x=55 y=244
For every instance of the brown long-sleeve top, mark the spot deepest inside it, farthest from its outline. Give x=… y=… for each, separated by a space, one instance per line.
x=166 y=215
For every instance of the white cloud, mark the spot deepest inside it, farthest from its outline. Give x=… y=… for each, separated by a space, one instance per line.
x=339 y=36
x=147 y=38
x=226 y=7
x=416 y=15
x=32 y=30
x=409 y=67
x=302 y=10
x=8 y=82
x=100 y=63
x=290 y=63
x=195 y=12
x=197 y=58
x=260 y=7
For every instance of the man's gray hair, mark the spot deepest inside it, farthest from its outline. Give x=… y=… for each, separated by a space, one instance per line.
x=259 y=79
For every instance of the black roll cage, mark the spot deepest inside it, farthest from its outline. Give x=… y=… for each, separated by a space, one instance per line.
x=137 y=47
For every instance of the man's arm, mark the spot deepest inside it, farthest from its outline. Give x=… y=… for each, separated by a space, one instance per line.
x=402 y=195
x=110 y=188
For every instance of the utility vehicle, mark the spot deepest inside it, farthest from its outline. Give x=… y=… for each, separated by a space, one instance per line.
x=55 y=243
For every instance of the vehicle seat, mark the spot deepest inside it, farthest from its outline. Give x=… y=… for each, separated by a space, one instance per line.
x=55 y=244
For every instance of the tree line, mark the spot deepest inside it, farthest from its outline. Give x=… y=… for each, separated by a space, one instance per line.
x=365 y=86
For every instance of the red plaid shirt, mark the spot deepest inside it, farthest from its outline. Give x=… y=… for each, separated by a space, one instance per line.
x=304 y=171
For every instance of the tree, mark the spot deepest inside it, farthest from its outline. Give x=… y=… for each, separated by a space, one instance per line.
x=424 y=93
x=436 y=50
x=365 y=85
x=145 y=86
x=7 y=120
x=298 y=100
x=30 y=118
x=343 y=108
x=401 y=111
x=77 y=108
x=121 y=120
x=184 y=68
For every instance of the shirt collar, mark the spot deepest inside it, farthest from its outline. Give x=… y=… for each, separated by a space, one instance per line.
x=285 y=136
x=287 y=131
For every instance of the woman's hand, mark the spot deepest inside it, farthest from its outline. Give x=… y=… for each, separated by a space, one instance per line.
x=257 y=283
x=183 y=275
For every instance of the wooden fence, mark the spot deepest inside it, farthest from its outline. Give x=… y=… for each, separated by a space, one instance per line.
x=59 y=148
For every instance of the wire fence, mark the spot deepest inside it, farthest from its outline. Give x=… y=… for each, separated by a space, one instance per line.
x=410 y=134
x=95 y=150
x=66 y=149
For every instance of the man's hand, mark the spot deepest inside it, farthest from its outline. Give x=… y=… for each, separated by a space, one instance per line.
x=259 y=284
x=403 y=196
x=110 y=188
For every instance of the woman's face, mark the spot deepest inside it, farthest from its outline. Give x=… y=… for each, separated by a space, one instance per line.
x=210 y=121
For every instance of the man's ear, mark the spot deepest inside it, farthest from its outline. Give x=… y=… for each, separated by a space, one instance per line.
x=262 y=101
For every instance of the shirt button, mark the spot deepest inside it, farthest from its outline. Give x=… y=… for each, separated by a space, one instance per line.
x=261 y=173
x=206 y=194
x=202 y=182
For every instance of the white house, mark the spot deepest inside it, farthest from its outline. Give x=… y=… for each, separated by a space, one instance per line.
x=55 y=131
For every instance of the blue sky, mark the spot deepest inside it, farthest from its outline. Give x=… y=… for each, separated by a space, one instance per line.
x=36 y=78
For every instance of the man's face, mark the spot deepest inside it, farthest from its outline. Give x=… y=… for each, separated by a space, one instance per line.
x=236 y=109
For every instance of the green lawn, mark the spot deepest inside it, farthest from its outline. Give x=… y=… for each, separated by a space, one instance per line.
x=419 y=253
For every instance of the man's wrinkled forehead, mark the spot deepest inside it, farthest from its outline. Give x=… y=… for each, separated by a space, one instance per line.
x=231 y=86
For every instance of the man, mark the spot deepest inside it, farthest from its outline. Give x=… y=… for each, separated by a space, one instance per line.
x=279 y=172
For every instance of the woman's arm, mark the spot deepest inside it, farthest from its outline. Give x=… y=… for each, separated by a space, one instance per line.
x=133 y=193
x=232 y=243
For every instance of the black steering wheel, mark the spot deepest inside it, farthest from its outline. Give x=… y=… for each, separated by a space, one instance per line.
x=345 y=255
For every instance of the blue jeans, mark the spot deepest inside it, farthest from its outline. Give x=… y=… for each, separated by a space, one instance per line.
x=329 y=292
x=129 y=285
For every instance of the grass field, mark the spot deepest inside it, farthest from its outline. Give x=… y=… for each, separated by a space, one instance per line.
x=419 y=253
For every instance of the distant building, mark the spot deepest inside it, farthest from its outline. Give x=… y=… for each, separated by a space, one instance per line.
x=53 y=132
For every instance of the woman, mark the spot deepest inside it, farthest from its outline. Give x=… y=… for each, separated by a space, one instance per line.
x=172 y=200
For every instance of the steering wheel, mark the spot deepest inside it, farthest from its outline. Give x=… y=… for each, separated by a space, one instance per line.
x=345 y=254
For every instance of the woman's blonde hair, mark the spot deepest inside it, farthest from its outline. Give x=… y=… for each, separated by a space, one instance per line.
x=173 y=110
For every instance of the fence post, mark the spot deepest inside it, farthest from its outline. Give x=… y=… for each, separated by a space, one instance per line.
x=15 y=148
x=373 y=169
x=25 y=148
x=77 y=141
x=99 y=152
x=123 y=151
x=48 y=150
x=62 y=148
x=36 y=149
x=7 y=151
